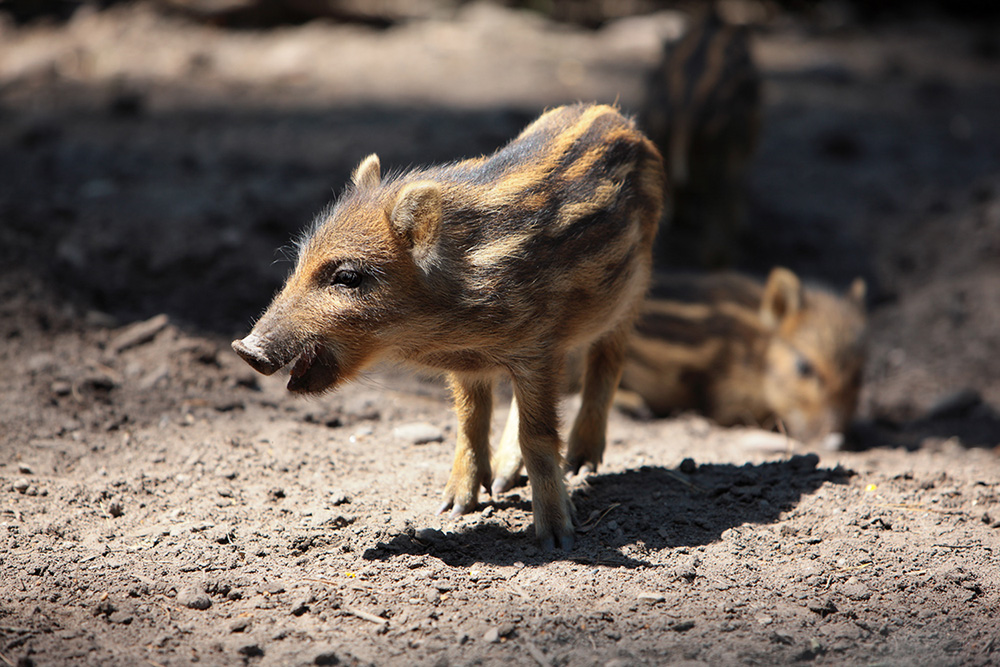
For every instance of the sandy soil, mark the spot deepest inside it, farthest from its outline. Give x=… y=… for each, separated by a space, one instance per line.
x=161 y=504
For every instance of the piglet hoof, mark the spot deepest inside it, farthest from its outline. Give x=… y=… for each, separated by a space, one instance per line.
x=457 y=508
x=502 y=484
x=565 y=540
x=581 y=466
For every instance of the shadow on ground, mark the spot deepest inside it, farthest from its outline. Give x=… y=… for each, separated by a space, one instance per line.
x=623 y=515
x=963 y=417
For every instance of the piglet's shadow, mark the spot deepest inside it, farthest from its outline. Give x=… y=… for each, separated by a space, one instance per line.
x=963 y=416
x=621 y=516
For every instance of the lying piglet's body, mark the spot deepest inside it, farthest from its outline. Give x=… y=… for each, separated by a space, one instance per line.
x=743 y=352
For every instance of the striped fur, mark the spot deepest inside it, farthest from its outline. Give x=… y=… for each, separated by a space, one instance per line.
x=491 y=266
x=746 y=353
x=703 y=111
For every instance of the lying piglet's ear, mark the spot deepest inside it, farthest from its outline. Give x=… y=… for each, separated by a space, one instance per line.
x=783 y=297
x=417 y=216
x=857 y=292
x=368 y=174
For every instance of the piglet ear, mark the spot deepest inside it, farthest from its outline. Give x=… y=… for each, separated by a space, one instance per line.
x=783 y=297
x=417 y=216
x=368 y=174
x=857 y=292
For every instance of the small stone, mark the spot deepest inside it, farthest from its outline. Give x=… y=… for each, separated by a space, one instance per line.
x=688 y=466
x=25 y=469
x=272 y=589
x=682 y=626
x=338 y=498
x=251 y=651
x=854 y=590
x=492 y=636
x=239 y=625
x=430 y=535
x=21 y=485
x=62 y=388
x=194 y=599
x=651 y=597
x=803 y=462
x=326 y=658
x=419 y=433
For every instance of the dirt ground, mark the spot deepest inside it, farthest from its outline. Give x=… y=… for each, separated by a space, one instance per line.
x=161 y=504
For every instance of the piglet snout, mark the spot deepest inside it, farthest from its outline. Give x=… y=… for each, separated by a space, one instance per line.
x=251 y=352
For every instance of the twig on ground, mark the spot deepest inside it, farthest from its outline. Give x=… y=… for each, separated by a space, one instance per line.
x=591 y=526
x=366 y=616
x=686 y=482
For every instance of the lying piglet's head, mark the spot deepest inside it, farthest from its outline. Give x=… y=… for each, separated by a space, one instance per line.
x=356 y=286
x=815 y=354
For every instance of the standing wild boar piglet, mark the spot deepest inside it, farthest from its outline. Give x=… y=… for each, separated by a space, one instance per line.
x=491 y=266
x=745 y=353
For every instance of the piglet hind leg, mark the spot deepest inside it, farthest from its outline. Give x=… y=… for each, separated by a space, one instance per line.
x=471 y=467
x=605 y=360
x=507 y=459
x=538 y=433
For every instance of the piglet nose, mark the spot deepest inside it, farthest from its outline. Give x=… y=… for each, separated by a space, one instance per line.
x=249 y=349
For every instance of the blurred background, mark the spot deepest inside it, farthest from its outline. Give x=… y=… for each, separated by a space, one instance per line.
x=155 y=157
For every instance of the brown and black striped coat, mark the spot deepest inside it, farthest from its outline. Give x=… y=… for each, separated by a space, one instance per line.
x=745 y=353
x=491 y=266
x=702 y=109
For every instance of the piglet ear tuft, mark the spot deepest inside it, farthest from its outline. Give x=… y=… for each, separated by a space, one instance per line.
x=368 y=174
x=857 y=292
x=783 y=297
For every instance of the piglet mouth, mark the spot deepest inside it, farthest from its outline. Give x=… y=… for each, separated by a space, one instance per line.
x=313 y=371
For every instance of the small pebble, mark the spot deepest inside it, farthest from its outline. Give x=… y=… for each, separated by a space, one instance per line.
x=428 y=535
x=194 y=599
x=326 y=658
x=239 y=625
x=251 y=651
x=25 y=469
x=492 y=636
x=21 y=485
x=688 y=466
x=650 y=597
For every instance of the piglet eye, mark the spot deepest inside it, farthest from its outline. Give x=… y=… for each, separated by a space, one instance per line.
x=804 y=368
x=347 y=278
